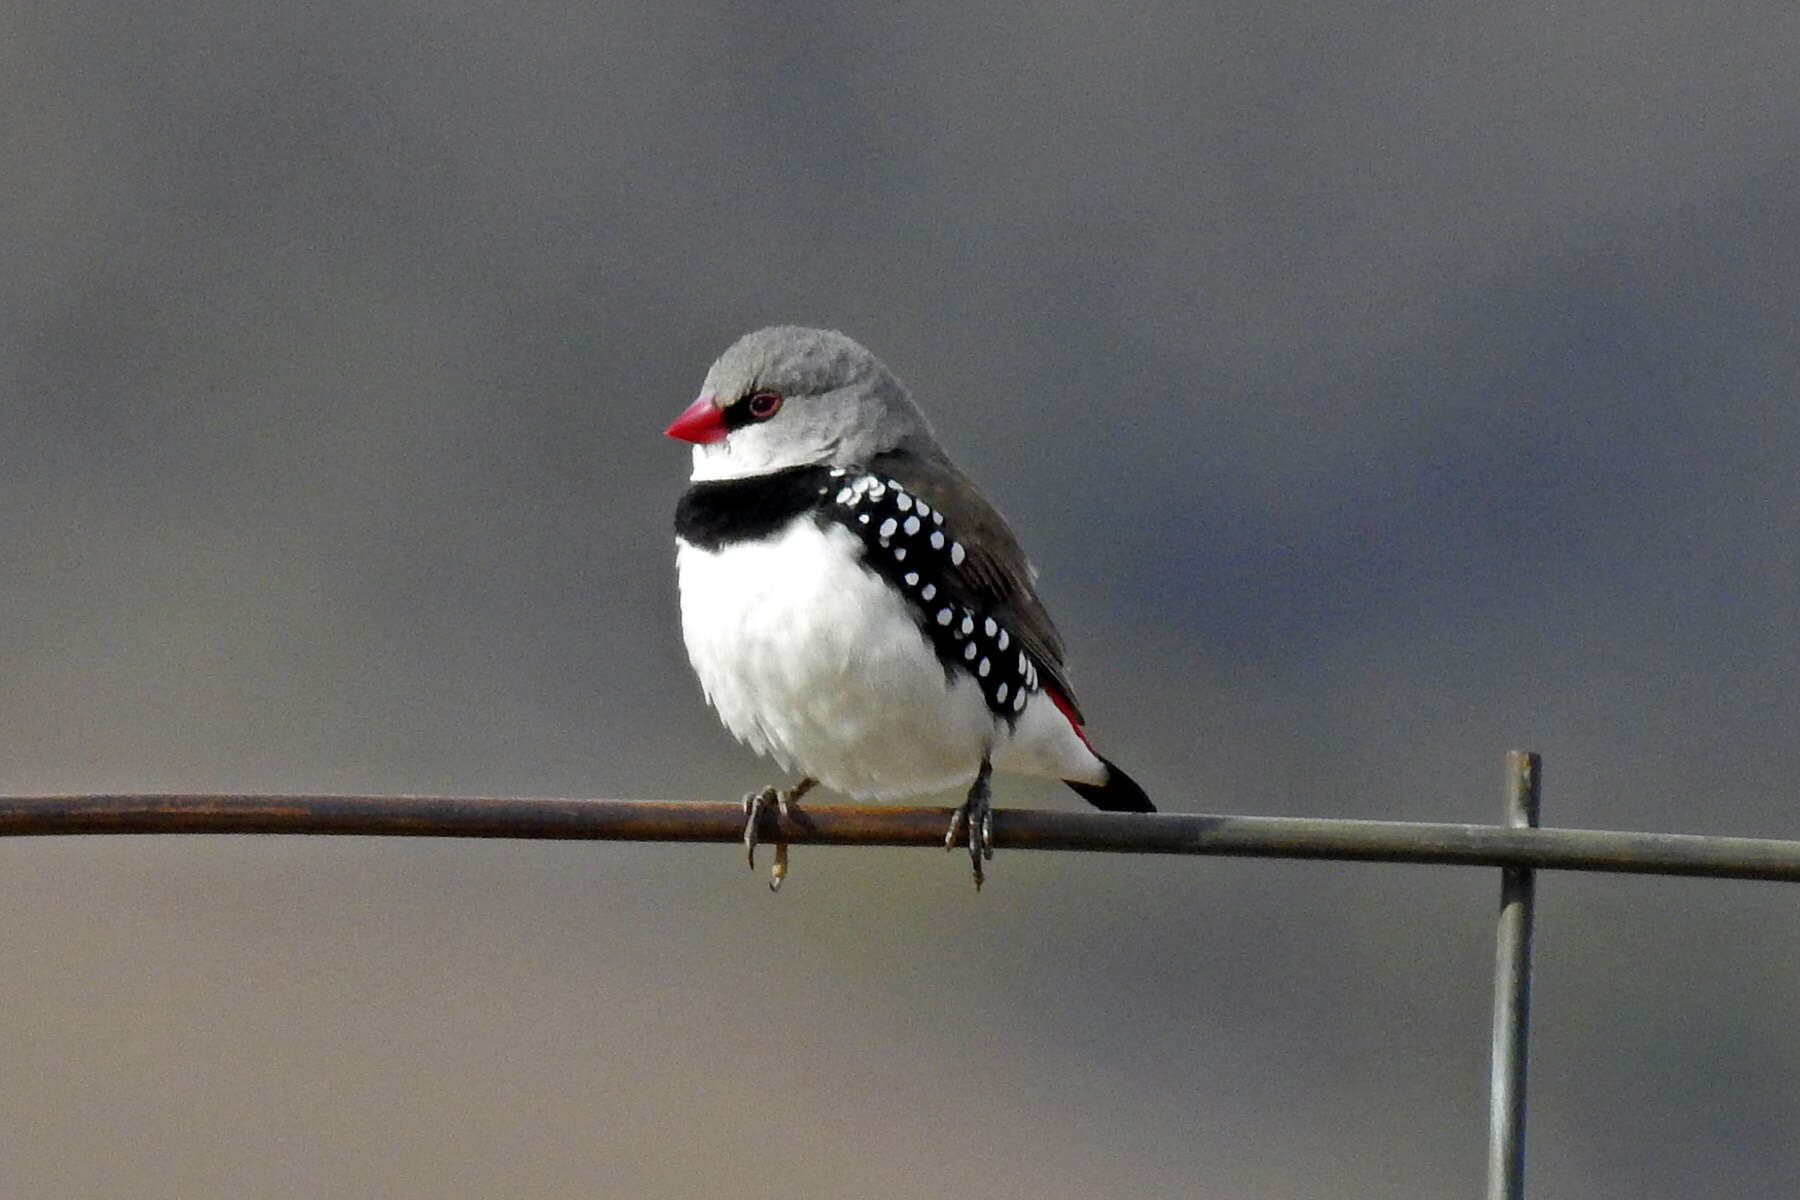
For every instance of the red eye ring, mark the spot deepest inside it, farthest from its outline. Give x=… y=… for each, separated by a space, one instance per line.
x=763 y=405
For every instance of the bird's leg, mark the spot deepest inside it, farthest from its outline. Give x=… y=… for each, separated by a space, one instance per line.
x=978 y=814
x=754 y=803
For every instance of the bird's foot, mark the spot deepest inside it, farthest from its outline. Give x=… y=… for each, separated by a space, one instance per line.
x=754 y=804
x=977 y=814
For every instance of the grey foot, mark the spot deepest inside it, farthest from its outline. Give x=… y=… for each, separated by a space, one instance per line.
x=977 y=814
x=754 y=804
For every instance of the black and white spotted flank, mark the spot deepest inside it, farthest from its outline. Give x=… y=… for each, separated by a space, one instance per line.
x=906 y=543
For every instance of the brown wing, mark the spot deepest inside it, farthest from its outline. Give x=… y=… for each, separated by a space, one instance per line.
x=994 y=574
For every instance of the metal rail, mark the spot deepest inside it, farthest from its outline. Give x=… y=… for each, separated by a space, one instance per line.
x=884 y=825
x=1512 y=991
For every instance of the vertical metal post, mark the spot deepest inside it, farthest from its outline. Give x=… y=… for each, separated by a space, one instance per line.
x=1512 y=992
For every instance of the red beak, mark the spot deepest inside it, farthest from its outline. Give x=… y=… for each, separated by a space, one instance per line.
x=700 y=422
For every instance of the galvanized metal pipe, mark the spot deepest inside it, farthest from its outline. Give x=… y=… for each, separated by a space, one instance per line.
x=1512 y=991
x=885 y=825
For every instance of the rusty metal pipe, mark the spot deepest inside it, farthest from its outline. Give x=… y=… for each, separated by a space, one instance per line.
x=887 y=825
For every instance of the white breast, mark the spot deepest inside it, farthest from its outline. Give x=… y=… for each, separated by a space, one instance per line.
x=816 y=661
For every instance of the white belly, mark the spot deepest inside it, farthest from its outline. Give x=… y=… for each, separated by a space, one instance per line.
x=812 y=659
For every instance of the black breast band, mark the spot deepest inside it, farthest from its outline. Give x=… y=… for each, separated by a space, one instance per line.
x=718 y=512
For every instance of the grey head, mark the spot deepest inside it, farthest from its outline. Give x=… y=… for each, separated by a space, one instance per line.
x=838 y=405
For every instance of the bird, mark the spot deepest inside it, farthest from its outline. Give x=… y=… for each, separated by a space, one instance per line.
x=853 y=606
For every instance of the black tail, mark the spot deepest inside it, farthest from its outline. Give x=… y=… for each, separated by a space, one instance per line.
x=1120 y=792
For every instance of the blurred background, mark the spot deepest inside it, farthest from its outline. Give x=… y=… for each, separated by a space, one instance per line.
x=1377 y=387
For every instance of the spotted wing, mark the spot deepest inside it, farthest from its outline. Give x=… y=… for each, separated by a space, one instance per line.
x=964 y=571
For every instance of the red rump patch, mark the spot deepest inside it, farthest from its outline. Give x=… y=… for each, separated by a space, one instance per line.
x=1068 y=711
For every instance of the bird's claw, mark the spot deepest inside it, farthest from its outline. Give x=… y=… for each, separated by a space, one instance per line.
x=754 y=804
x=977 y=814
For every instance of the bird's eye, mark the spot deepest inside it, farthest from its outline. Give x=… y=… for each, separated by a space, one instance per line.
x=764 y=405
